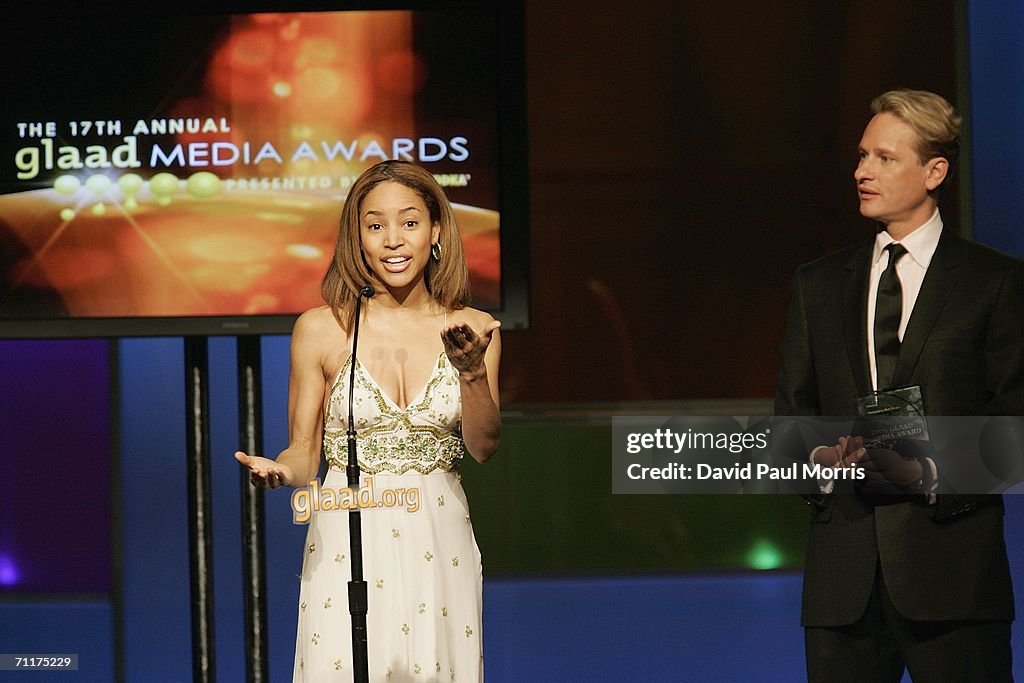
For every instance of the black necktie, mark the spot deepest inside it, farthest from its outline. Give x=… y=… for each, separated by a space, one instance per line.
x=888 y=310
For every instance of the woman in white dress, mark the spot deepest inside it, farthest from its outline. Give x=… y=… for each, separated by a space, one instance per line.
x=425 y=391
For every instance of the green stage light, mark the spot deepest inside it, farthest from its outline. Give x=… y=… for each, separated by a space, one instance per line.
x=764 y=555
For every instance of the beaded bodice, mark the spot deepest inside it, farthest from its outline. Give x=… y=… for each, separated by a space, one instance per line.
x=423 y=437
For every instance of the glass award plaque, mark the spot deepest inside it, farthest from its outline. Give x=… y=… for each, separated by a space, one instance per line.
x=892 y=416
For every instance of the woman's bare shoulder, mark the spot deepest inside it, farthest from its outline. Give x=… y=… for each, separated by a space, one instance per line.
x=318 y=338
x=474 y=316
x=319 y=318
x=317 y=324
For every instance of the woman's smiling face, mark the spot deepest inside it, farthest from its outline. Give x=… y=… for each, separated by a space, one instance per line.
x=396 y=234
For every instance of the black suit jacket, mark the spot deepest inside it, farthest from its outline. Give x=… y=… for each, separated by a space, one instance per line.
x=964 y=345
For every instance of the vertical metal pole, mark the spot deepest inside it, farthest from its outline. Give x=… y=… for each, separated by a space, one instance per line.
x=200 y=518
x=357 y=598
x=250 y=415
x=117 y=508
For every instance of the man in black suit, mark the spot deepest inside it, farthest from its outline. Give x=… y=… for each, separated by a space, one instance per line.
x=918 y=578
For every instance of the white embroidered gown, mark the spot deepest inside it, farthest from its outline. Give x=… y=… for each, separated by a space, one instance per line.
x=420 y=558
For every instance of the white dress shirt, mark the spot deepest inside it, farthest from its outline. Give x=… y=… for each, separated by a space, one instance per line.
x=920 y=245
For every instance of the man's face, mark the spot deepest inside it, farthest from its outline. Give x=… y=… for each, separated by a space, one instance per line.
x=892 y=183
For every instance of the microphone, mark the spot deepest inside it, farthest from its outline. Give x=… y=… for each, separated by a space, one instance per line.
x=357 y=602
x=352 y=470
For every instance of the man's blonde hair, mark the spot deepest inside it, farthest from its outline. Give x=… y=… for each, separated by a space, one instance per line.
x=932 y=118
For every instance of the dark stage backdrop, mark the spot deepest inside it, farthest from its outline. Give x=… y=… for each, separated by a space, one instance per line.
x=995 y=54
x=57 y=432
x=685 y=158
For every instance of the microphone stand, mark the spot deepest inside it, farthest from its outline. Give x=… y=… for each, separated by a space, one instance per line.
x=356 y=586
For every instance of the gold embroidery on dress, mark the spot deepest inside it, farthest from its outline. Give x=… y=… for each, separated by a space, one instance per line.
x=396 y=443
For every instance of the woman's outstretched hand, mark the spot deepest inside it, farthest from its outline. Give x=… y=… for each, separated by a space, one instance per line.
x=265 y=473
x=465 y=348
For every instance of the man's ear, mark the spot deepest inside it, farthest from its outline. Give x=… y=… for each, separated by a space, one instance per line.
x=938 y=168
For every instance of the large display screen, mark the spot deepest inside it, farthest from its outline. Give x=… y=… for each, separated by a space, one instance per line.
x=181 y=173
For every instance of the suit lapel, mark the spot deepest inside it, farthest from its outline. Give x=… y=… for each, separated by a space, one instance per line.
x=935 y=289
x=855 y=307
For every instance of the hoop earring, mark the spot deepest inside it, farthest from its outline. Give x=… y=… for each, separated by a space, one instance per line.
x=435 y=251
